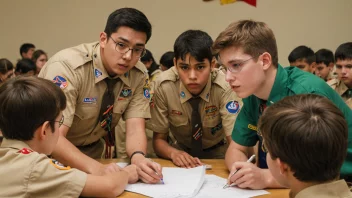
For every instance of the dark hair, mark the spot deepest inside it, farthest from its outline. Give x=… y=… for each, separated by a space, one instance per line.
x=302 y=53
x=195 y=42
x=128 y=17
x=149 y=57
x=324 y=56
x=309 y=133
x=5 y=66
x=253 y=37
x=25 y=47
x=26 y=103
x=167 y=59
x=24 y=66
x=344 y=52
x=37 y=54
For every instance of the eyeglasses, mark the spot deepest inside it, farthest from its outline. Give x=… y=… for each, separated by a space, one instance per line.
x=263 y=144
x=61 y=121
x=123 y=49
x=235 y=67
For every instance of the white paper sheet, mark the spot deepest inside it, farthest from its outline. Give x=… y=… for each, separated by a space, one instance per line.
x=179 y=182
x=213 y=187
x=122 y=164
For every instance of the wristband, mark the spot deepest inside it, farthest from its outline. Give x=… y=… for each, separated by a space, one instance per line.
x=136 y=152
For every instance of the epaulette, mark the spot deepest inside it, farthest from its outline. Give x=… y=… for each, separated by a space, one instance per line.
x=218 y=77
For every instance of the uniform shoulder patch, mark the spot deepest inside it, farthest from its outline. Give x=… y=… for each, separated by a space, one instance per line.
x=60 y=81
x=25 y=151
x=58 y=165
x=233 y=107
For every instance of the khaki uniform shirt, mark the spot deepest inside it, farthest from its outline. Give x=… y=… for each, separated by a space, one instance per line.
x=80 y=73
x=26 y=173
x=342 y=90
x=337 y=189
x=170 y=109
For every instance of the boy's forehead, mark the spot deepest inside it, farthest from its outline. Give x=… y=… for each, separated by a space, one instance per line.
x=344 y=62
x=190 y=60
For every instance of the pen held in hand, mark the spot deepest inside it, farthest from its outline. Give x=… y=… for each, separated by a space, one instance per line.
x=233 y=184
x=161 y=179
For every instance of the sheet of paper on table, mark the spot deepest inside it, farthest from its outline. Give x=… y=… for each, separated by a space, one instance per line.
x=179 y=182
x=122 y=164
x=213 y=187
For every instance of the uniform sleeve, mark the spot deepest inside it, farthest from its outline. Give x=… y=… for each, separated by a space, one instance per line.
x=244 y=131
x=229 y=118
x=64 y=77
x=54 y=180
x=159 y=122
x=139 y=105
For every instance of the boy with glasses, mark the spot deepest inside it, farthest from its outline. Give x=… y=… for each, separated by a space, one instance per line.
x=247 y=49
x=26 y=170
x=104 y=81
x=194 y=103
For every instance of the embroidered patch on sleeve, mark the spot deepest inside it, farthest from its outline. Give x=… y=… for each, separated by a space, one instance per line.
x=58 y=165
x=60 y=81
x=233 y=107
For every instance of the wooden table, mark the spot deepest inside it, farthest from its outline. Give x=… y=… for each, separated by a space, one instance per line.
x=218 y=168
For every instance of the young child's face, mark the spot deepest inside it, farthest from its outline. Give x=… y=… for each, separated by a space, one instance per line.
x=193 y=74
x=322 y=70
x=244 y=74
x=303 y=65
x=344 y=71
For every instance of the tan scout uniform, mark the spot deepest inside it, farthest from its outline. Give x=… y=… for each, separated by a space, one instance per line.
x=26 y=173
x=337 y=189
x=342 y=90
x=81 y=75
x=170 y=110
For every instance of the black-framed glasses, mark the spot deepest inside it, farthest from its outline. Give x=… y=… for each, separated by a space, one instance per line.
x=123 y=49
x=263 y=144
x=61 y=121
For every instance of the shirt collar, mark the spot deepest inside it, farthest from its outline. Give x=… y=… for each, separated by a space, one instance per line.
x=185 y=95
x=341 y=88
x=280 y=85
x=100 y=72
x=9 y=143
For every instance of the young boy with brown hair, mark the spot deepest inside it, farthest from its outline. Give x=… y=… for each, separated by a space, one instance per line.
x=30 y=117
x=302 y=57
x=305 y=137
x=324 y=64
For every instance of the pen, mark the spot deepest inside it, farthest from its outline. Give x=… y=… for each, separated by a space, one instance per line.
x=249 y=160
x=161 y=179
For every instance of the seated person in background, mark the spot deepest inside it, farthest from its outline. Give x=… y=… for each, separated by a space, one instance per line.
x=6 y=70
x=29 y=172
x=324 y=64
x=27 y=50
x=39 y=58
x=343 y=86
x=25 y=67
x=305 y=137
x=150 y=64
x=194 y=103
x=256 y=76
x=167 y=60
x=302 y=57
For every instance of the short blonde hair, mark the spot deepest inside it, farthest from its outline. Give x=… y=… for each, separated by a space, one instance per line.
x=254 y=37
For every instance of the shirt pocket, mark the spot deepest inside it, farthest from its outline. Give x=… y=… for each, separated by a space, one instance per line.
x=180 y=128
x=85 y=119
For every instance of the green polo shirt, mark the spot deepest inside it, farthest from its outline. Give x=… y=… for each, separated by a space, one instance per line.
x=289 y=81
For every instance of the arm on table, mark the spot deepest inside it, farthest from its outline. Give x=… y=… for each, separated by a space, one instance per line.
x=249 y=175
x=179 y=158
x=136 y=140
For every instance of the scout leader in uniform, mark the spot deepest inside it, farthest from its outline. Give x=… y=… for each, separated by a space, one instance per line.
x=26 y=170
x=103 y=82
x=248 y=51
x=194 y=103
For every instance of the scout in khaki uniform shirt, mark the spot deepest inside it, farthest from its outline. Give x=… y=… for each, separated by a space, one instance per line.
x=324 y=64
x=343 y=86
x=174 y=91
x=256 y=76
x=26 y=170
x=305 y=140
x=103 y=82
